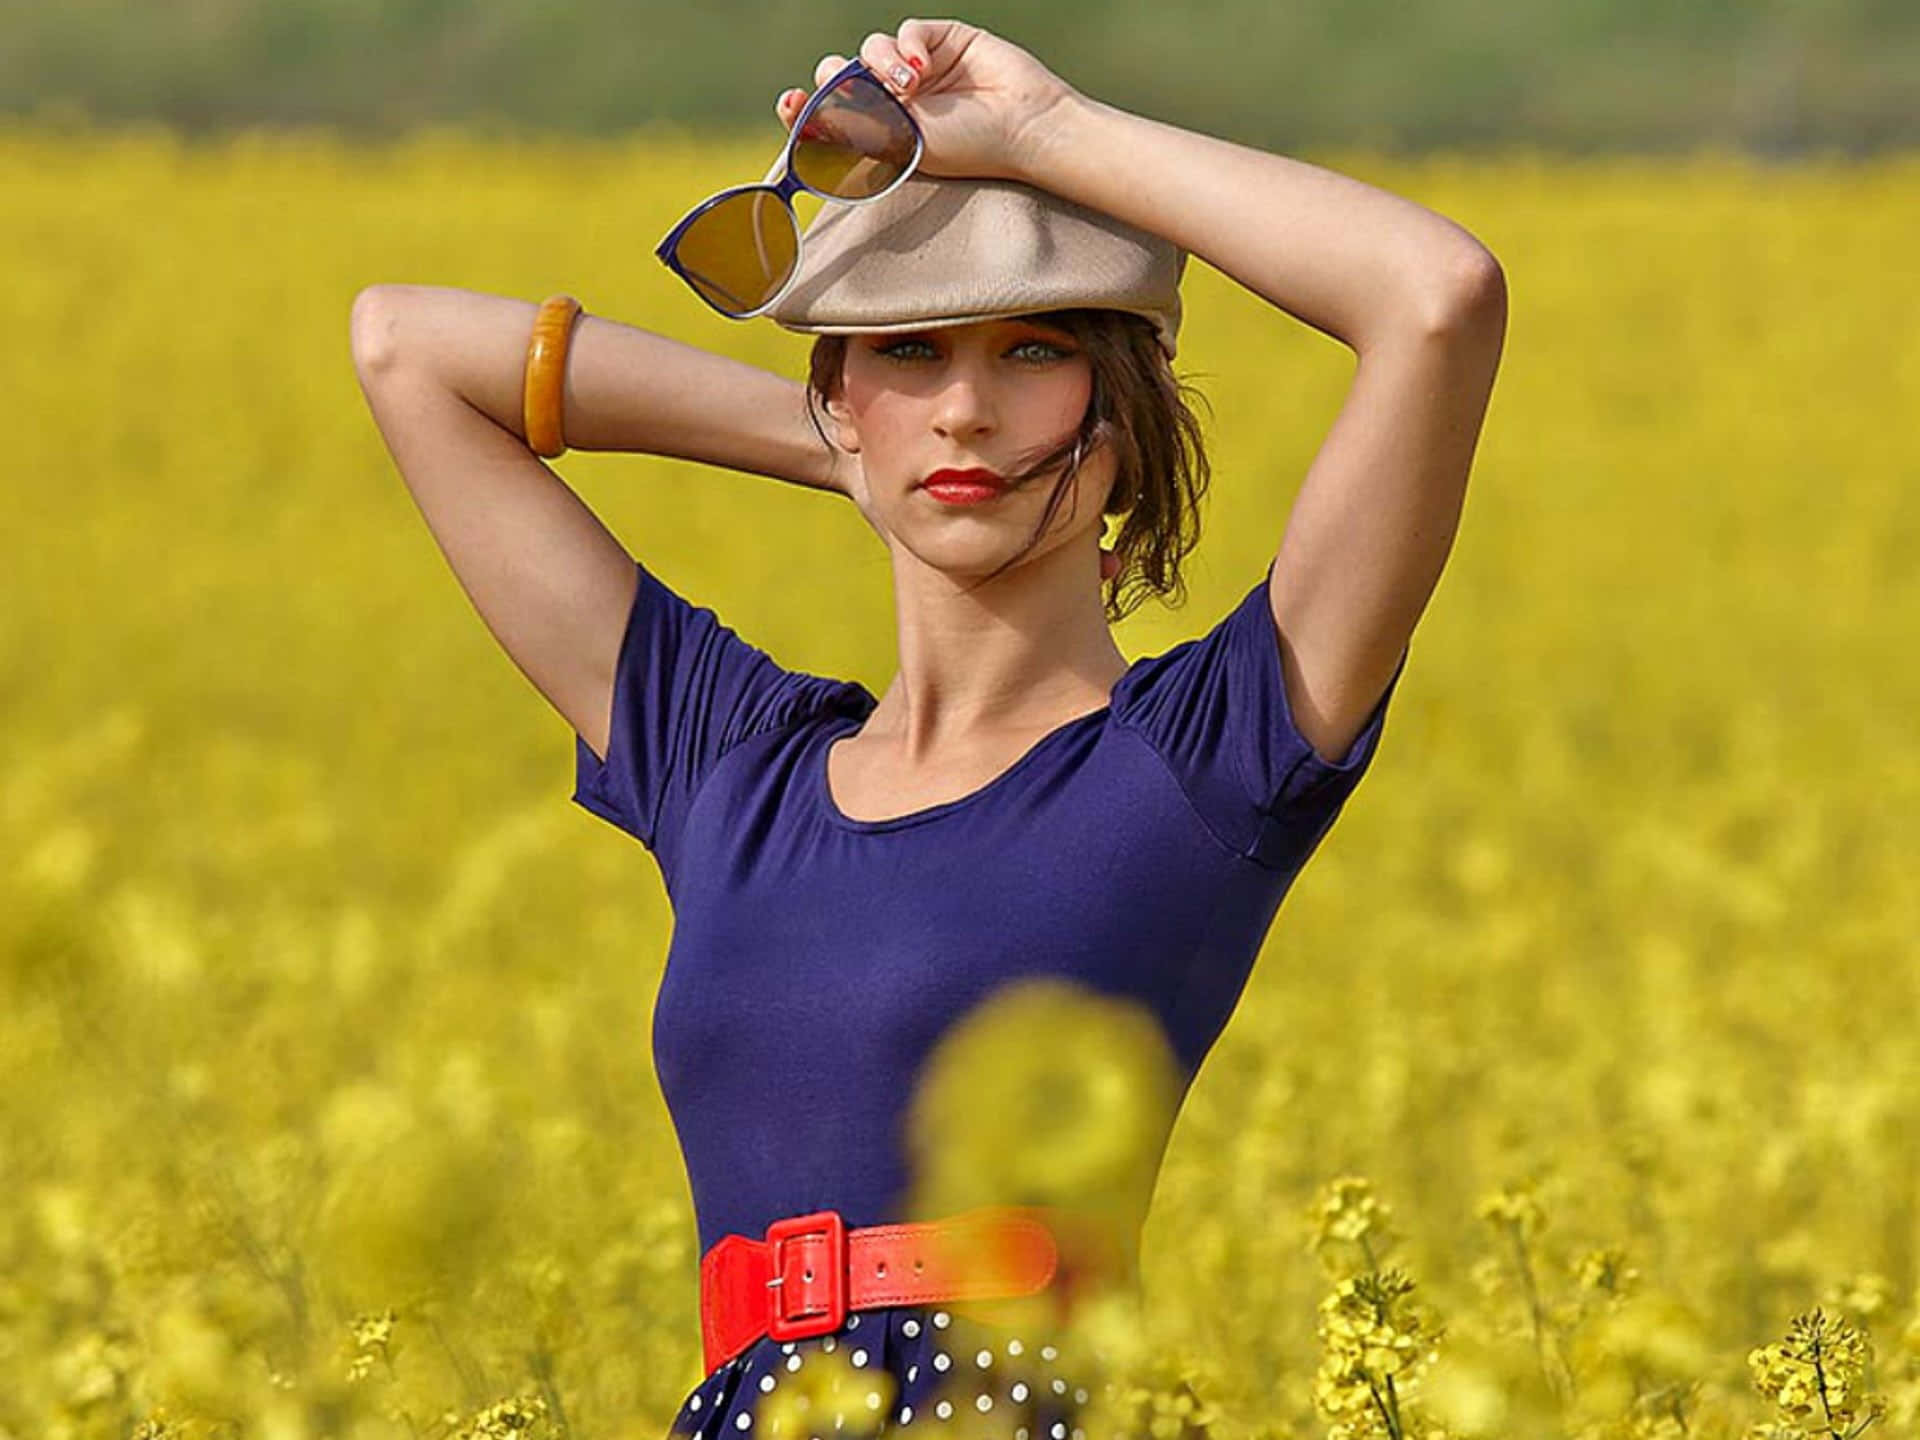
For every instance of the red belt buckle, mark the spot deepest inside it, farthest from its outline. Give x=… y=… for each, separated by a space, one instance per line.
x=808 y=1289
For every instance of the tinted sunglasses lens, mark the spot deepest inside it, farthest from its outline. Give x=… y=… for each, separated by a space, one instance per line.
x=856 y=143
x=740 y=252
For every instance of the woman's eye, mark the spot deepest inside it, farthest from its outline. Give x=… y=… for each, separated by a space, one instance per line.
x=1047 y=351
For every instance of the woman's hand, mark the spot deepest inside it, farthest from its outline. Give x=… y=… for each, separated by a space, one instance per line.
x=981 y=102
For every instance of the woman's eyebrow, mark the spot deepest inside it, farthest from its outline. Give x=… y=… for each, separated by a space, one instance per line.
x=1024 y=326
x=1017 y=325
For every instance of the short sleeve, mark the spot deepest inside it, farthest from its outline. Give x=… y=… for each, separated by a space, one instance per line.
x=686 y=690
x=1216 y=709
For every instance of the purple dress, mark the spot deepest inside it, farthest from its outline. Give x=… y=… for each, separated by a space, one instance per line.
x=1141 y=850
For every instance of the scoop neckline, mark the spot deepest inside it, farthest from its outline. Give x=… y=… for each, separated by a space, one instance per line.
x=837 y=728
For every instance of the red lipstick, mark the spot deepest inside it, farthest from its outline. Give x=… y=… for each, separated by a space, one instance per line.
x=964 y=487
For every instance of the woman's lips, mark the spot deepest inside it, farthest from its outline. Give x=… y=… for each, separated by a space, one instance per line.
x=964 y=487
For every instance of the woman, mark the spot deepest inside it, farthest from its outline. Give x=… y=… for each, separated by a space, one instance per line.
x=852 y=874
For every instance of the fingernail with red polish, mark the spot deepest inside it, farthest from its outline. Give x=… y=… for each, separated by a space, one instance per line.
x=916 y=62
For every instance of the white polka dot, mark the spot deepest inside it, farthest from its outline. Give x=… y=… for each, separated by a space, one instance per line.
x=873 y=1399
x=912 y=1370
x=859 y=1357
x=985 y=1402
x=906 y=1413
x=695 y=1402
x=983 y=1359
x=793 y=1362
x=742 y=1421
x=828 y=1343
x=1047 y=1352
x=766 y=1383
x=787 y=1349
x=1059 y=1387
x=940 y=1319
x=1079 y=1434
x=943 y=1409
x=1080 y=1396
x=910 y=1328
x=1059 y=1431
x=853 y=1322
x=940 y=1360
x=1020 y=1390
x=1020 y=1434
x=1014 y=1347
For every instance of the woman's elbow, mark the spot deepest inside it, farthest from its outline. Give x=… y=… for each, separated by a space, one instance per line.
x=1471 y=296
x=373 y=329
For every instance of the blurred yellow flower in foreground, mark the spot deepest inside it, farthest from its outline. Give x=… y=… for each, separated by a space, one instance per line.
x=1051 y=1095
x=827 y=1394
x=1046 y=1093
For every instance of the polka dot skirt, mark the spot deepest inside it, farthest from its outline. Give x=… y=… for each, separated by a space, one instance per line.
x=928 y=1365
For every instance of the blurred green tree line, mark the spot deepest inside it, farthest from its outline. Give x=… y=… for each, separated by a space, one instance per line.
x=1762 y=76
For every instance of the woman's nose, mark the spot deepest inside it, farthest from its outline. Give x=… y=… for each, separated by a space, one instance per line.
x=965 y=402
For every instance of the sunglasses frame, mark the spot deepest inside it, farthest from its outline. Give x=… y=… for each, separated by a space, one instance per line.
x=783 y=183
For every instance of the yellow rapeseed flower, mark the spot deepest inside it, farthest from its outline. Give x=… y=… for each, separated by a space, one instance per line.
x=372 y=1341
x=1813 y=1377
x=1518 y=1207
x=1346 y=1211
x=518 y=1415
x=1860 y=1297
x=1605 y=1270
x=1376 y=1340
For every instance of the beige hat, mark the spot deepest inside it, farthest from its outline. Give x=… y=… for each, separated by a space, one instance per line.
x=941 y=251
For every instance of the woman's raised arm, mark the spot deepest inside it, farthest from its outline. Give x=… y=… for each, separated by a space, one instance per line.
x=442 y=370
x=1423 y=306
x=1419 y=300
x=626 y=388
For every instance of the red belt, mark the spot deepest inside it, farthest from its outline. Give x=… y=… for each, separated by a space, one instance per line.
x=810 y=1270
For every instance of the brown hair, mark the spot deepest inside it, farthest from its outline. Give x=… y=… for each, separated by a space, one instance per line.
x=1140 y=408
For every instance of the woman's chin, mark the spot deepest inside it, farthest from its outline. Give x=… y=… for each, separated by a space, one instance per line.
x=968 y=563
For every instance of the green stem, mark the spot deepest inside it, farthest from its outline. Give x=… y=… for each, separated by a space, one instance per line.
x=542 y=1363
x=1533 y=1309
x=1387 y=1417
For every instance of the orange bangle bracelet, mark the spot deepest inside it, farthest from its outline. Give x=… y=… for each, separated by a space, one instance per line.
x=545 y=384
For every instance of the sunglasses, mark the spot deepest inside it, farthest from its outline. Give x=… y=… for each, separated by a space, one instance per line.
x=740 y=249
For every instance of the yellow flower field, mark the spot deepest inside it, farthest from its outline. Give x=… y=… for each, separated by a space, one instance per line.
x=1581 y=1067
